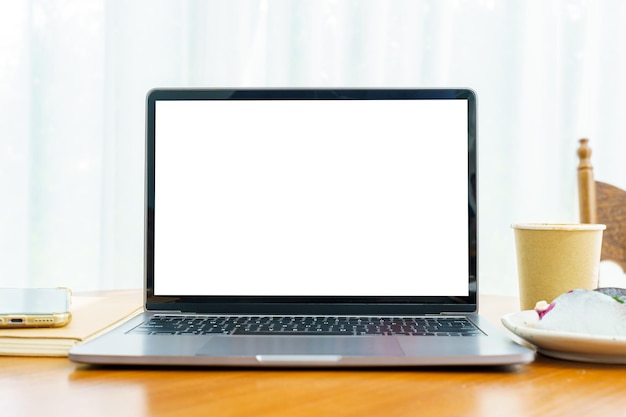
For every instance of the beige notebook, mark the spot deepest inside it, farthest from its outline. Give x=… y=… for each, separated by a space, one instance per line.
x=91 y=315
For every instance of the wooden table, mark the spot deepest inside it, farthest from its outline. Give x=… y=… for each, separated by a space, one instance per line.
x=548 y=387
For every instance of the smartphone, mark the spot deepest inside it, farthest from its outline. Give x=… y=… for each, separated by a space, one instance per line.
x=35 y=307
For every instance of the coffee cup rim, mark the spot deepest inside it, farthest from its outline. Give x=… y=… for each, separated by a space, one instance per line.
x=558 y=226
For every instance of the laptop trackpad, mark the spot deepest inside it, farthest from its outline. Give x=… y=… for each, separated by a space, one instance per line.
x=301 y=345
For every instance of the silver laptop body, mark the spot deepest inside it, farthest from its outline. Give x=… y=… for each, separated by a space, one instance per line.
x=335 y=209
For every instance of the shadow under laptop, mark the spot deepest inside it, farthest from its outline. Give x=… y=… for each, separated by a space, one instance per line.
x=289 y=391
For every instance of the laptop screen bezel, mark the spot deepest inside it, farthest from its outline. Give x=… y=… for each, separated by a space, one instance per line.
x=396 y=305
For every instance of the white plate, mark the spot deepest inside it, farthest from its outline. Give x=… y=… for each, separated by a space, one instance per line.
x=566 y=345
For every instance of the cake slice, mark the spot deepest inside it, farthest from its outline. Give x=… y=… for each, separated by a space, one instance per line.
x=599 y=312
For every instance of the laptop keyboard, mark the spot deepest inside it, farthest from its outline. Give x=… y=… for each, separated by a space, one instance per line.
x=314 y=325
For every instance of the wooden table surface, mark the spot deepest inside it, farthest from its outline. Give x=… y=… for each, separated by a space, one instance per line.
x=548 y=387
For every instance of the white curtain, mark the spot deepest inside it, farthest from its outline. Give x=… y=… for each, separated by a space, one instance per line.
x=74 y=75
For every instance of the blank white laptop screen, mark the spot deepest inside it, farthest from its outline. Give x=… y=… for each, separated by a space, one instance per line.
x=311 y=197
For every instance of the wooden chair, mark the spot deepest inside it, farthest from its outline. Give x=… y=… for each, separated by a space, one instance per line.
x=603 y=203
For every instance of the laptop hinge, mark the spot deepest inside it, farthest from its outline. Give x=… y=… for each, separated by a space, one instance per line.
x=453 y=313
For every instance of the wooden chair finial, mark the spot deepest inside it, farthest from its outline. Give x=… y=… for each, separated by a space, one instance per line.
x=584 y=154
x=586 y=184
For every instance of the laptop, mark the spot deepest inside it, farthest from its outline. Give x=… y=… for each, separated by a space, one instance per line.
x=309 y=228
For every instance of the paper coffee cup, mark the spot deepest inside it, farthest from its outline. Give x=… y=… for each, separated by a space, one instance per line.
x=555 y=258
